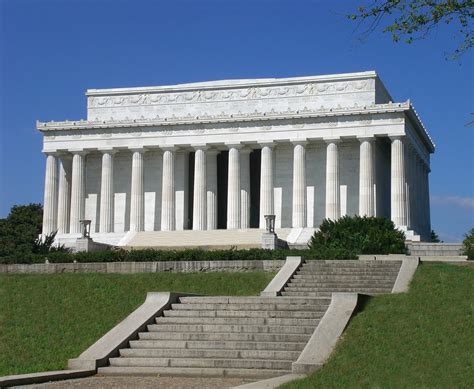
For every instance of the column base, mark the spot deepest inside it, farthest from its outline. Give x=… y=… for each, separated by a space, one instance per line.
x=410 y=235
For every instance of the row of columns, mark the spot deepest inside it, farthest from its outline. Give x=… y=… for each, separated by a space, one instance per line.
x=408 y=182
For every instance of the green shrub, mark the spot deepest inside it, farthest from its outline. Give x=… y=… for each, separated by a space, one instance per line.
x=468 y=244
x=359 y=235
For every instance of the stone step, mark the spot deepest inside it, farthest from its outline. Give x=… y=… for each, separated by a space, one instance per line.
x=232 y=336
x=248 y=300
x=327 y=294
x=344 y=272
x=318 y=304
x=191 y=372
x=338 y=289
x=224 y=345
x=226 y=328
x=263 y=314
x=336 y=283
x=209 y=353
x=203 y=363
x=237 y=321
x=350 y=262
x=342 y=277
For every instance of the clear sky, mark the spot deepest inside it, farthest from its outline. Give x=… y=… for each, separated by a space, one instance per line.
x=52 y=51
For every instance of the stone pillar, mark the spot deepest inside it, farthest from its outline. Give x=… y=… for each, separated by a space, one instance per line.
x=50 y=208
x=398 y=193
x=266 y=183
x=200 y=190
x=211 y=175
x=168 y=191
x=233 y=189
x=137 y=194
x=78 y=191
x=107 y=192
x=408 y=184
x=366 y=177
x=333 y=207
x=245 y=188
x=64 y=195
x=299 y=185
x=426 y=198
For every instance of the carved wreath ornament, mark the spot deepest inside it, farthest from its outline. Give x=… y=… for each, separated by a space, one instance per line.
x=309 y=89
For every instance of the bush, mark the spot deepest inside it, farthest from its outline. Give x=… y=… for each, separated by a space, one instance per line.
x=359 y=235
x=468 y=244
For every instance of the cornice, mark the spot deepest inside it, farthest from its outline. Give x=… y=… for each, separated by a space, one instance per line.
x=232 y=84
x=225 y=118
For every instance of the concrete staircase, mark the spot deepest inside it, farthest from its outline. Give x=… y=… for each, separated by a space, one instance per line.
x=322 y=278
x=223 y=336
x=215 y=239
x=254 y=337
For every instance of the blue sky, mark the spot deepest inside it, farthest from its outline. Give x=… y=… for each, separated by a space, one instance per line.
x=52 y=51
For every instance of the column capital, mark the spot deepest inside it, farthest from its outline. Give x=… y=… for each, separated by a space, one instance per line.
x=52 y=153
x=111 y=151
x=333 y=139
x=81 y=152
x=269 y=143
x=299 y=142
x=201 y=146
x=168 y=148
x=396 y=137
x=234 y=145
x=366 y=138
x=141 y=150
x=245 y=150
x=212 y=151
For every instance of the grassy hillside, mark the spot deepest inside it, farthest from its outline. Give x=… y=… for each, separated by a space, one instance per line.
x=422 y=339
x=47 y=319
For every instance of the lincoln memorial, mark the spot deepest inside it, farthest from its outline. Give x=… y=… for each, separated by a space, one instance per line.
x=222 y=154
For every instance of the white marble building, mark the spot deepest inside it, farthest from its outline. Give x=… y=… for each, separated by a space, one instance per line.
x=222 y=154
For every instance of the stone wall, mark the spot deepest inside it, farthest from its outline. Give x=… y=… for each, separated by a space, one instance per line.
x=145 y=267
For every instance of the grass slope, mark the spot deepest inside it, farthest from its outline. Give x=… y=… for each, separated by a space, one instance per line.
x=421 y=339
x=46 y=319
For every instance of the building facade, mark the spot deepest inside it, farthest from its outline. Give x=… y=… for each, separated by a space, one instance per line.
x=222 y=154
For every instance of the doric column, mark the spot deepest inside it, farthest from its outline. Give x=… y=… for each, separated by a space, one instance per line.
x=211 y=175
x=408 y=183
x=200 y=193
x=137 y=194
x=64 y=195
x=78 y=191
x=426 y=198
x=398 y=188
x=299 y=185
x=168 y=191
x=50 y=208
x=366 y=177
x=266 y=183
x=333 y=207
x=107 y=192
x=233 y=188
x=245 y=188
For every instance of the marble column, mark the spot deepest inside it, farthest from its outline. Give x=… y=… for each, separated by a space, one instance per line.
x=200 y=190
x=233 y=189
x=168 y=191
x=50 y=208
x=211 y=175
x=398 y=187
x=333 y=207
x=137 y=194
x=266 y=183
x=366 y=177
x=299 y=185
x=64 y=195
x=106 y=223
x=245 y=188
x=78 y=191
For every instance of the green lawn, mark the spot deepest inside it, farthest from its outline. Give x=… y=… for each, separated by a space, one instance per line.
x=422 y=339
x=47 y=319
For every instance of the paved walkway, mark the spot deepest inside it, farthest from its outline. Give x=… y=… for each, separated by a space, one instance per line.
x=143 y=382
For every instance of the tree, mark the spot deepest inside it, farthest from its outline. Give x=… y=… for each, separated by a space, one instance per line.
x=468 y=244
x=412 y=20
x=434 y=237
x=19 y=230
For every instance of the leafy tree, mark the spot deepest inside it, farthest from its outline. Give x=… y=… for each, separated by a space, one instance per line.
x=412 y=20
x=434 y=237
x=361 y=235
x=468 y=244
x=20 y=229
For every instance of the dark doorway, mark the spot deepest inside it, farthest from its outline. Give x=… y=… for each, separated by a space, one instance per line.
x=191 y=190
x=255 y=157
x=222 y=166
